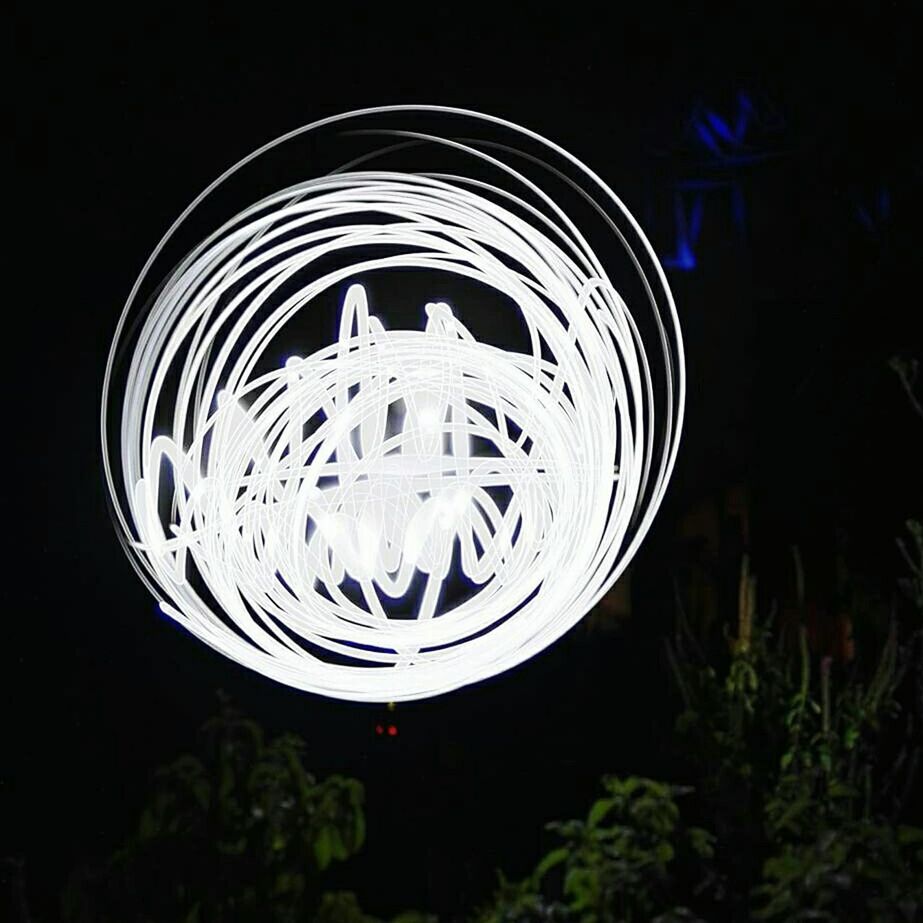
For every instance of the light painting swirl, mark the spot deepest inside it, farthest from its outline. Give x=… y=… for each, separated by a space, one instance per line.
x=307 y=516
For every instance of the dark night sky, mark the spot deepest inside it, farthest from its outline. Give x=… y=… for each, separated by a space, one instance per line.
x=788 y=328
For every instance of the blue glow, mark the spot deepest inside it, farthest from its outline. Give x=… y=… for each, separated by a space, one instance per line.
x=729 y=140
x=688 y=228
x=738 y=207
x=688 y=219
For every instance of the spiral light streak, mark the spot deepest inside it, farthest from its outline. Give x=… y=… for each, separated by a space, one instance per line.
x=281 y=513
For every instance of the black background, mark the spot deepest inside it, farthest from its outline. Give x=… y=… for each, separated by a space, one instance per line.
x=122 y=120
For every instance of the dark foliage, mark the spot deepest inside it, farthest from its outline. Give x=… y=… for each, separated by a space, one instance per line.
x=239 y=831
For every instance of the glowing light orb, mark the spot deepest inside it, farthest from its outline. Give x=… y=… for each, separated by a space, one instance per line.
x=312 y=513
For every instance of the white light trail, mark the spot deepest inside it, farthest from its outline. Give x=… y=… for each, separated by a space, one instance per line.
x=281 y=515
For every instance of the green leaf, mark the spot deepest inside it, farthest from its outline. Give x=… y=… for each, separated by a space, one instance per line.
x=599 y=810
x=581 y=885
x=702 y=842
x=552 y=859
x=664 y=853
x=358 y=829
x=323 y=848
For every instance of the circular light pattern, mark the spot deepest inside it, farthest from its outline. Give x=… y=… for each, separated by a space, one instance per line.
x=306 y=517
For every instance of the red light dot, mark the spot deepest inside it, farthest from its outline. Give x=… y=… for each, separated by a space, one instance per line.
x=379 y=729
x=392 y=730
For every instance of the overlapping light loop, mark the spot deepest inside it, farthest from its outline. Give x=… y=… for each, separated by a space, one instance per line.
x=284 y=516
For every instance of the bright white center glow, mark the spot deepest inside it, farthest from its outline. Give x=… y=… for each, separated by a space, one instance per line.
x=306 y=520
